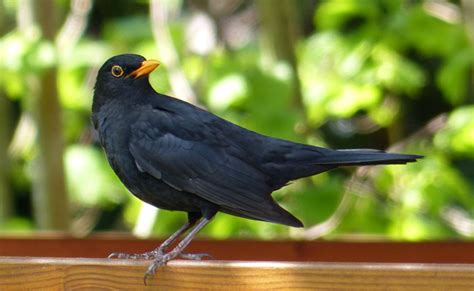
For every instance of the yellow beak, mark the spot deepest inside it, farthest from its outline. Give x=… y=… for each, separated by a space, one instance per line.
x=145 y=68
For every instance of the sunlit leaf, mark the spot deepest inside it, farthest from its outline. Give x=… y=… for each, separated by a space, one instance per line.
x=458 y=136
x=229 y=90
x=90 y=179
x=453 y=77
x=334 y=14
x=444 y=39
x=395 y=72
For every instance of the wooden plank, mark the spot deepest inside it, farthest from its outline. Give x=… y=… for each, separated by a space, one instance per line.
x=99 y=246
x=67 y=274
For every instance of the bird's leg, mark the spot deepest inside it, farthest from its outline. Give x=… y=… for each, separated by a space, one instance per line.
x=177 y=251
x=159 y=251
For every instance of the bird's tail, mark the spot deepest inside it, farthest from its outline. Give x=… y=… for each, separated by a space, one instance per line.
x=306 y=161
x=361 y=157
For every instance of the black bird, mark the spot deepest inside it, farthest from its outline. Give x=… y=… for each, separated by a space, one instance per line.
x=176 y=156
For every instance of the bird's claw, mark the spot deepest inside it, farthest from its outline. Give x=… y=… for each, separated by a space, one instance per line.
x=159 y=262
x=119 y=256
x=145 y=256
x=194 y=257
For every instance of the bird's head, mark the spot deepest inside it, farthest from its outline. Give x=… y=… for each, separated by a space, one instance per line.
x=123 y=76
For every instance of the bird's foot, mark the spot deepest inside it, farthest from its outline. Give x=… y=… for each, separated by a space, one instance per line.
x=155 y=254
x=145 y=256
x=161 y=260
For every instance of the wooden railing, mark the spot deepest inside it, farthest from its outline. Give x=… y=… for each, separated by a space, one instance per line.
x=100 y=246
x=94 y=274
x=54 y=262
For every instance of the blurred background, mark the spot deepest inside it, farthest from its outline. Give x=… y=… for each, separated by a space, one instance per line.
x=390 y=74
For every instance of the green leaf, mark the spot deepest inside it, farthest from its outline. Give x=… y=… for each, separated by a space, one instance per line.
x=432 y=36
x=395 y=72
x=228 y=91
x=335 y=14
x=453 y=77
x=90 y=179
x=458 y=135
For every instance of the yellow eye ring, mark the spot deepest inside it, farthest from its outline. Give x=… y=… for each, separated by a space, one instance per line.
x=117 y=71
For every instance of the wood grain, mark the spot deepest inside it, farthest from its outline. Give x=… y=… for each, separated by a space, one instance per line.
x=94 y=274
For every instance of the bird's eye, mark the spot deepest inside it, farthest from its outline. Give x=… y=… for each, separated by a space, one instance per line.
x=117 y=71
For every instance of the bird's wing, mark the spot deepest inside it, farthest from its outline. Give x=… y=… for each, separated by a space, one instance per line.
x=190 y=155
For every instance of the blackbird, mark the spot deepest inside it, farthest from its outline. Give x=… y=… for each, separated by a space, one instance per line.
x=176 y=156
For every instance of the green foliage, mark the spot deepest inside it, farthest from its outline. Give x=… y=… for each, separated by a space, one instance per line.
x=454 y=75
x=458 y=136
x=315 y=203
x=102 y=188
x=18 y=225
x=382 y=69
